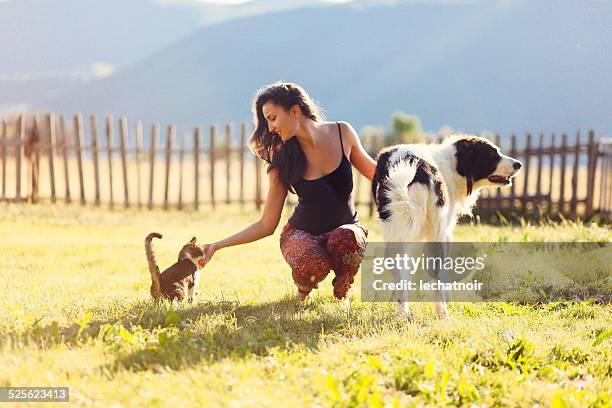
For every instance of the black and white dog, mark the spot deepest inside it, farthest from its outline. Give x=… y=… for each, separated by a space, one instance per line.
x=420 y=190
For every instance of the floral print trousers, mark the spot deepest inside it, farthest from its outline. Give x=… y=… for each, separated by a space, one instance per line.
x=312 y=256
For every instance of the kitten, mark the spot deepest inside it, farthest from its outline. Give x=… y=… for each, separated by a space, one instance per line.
x=179 y=280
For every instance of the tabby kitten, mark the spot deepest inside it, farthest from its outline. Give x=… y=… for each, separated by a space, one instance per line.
x=179 y=280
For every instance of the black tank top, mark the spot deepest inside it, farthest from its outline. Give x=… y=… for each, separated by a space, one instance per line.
x=327 y=202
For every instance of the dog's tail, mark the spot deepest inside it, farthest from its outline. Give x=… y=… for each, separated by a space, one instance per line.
x=153 y=268
x=406 y=199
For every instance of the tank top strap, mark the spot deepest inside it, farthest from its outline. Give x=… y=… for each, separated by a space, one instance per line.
x=340 y=133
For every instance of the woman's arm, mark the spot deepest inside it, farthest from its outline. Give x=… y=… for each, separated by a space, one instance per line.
x=266 y=225
x=358 y=156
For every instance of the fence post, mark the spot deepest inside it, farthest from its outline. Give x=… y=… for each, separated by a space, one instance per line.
x=257 y=183
x=605 y=197
x=574 y=200
x=228 y=153
x=95 y=150
x=109 y=149
x=65 y=157
x=527 y=151
x=33 y=154
x=3 y=147
x=538 y=202
x=196 y=157
x=563 y=168
x=513 y=153
x=169 y=137
x=212 y=165
x=122 y=139
x=19 y=150
x=78 y=127
x=591 y=169
x=181 y=157
x=51 y=160
x=498 y=193
x=154 y=131
x=552 y=172
x=138 y=145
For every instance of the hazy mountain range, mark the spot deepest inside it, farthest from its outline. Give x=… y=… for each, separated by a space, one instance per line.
x=507 y=66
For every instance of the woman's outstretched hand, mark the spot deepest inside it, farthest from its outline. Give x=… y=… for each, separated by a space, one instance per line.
x=209 y=251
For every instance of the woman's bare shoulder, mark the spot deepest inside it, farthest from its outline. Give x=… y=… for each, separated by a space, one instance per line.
x=332 y=127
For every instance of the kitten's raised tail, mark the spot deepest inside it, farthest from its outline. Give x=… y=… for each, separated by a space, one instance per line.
x=153 y=268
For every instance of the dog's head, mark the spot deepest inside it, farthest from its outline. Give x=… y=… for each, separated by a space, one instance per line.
x=482 y=163
x=194 y=252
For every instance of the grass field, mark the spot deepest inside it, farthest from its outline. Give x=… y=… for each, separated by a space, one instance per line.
x=76 y=312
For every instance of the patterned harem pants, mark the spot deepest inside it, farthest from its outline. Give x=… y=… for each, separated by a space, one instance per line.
x=312 y=256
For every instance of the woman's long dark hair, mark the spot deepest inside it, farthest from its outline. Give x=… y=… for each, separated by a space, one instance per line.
x=287 y=157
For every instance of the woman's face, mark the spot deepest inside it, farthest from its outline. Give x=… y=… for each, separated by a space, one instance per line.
x=283 y=123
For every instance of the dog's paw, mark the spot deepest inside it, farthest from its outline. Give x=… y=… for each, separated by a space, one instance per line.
x=441 y=311
x=403 y=310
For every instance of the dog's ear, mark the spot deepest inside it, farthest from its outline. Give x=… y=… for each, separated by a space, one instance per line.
x=464 y=150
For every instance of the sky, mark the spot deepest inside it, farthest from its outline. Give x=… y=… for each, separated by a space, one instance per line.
x=234 y=2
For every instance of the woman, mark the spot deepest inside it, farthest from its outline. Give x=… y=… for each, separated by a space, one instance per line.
x=303 y=153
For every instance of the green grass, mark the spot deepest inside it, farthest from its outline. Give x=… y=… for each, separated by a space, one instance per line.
x=76 y=312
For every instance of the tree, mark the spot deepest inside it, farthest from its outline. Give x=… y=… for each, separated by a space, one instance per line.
x=405 y=129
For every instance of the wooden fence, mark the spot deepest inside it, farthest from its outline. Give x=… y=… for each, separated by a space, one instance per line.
x=64 y=161
x=559 y=178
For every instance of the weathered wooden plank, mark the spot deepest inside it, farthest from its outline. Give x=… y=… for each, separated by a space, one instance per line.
x=212 y=157
x=169 y=140
x=181 y=165
x=95 y=149
x=78 y=137
x=563 y=165
x=109 y=150
x=123 y=134
x=591 y=170
x=498 y=192
x=513 y=153
x=152 y=154
x=196 y=160
x=19 y=154
x=3 y=155
x=67 y=197
x=551 y=177
x=258 y=165
x=574 y=199
x=33 y=153
x=51 y=154
x=138 y=156
x=242 y=148
x=527 y=169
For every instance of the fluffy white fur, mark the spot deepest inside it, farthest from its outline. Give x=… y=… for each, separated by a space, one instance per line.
x=415 y=216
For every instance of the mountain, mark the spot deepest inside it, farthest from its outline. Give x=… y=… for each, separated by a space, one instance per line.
x=65 y=35
x=499 y=66
x=48 y=48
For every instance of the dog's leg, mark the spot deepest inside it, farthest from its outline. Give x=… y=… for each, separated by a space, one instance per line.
x=443 y=239
x=400 y=297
